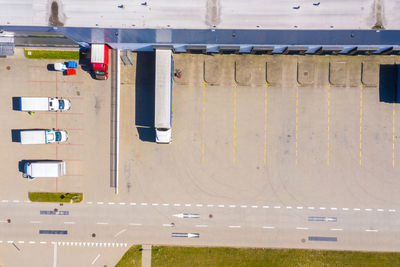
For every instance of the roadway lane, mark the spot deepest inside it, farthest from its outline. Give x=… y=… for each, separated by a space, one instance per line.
x=227 y=226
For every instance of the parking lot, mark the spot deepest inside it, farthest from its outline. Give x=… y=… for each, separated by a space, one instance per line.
x=87 y=150
x=252 y=129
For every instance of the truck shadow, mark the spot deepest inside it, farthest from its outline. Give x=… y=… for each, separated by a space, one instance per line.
x=21 y=165
x=145 y=93
x=16 y=103
x=16 y=135
x=84 y=61
x=388 y=83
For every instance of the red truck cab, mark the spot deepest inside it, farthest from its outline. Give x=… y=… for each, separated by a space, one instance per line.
x=99 y=60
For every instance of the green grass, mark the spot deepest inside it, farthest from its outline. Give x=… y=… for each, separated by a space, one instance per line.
x=132 y=258
x=55 y=197
x=47 y=54
x=246 y=257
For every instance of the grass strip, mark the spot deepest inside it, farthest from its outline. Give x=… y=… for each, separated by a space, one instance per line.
x=251 y=257
x=48 y=54
x=55 y=197
x=132 y=258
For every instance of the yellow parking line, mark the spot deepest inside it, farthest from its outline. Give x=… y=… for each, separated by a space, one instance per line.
x=234 y=124
x=265 y=123
x=204 y=119
x=297 y=121
x=361 y=119
x=329 y=125
x=393 y=134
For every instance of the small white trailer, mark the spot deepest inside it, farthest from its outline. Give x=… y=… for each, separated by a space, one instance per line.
x=44 y=104
x=36 y=137
x=44 y=169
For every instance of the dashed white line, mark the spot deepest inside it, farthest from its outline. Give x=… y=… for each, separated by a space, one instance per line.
x=132 y=204
x=4 y=201
x=35 y=221
x=345 y=208
x=333 y=208
x=135 y=224
x=310 y=208
x=43 y=242
x=143 y=204
x=201 y=225
x=32 y=242
x=188 y=205
x=21 y=242
x=154 y=204
x=301 y=228
x=254 y=207
x=232 y=206
x=15 y=201
x=299 y=208
x=100 y=203
x=336 y=229
x=165 y=204
x=268 y=227
x=380 y=209
x=322 y=208
x=122 y=203
x=371 y=230
x=10 y=241
x=277 y=207
x=210 y=205
x=265 y=207
x=89 y=202
x=177 y=205
x=234 y=226
x=356 y=209
x=167 y=225
x=391 y=210
x=69 y=222
x=199 y=205
x=243 y=206
x=289 y=207
x=368 y=209
x=221 y=206
x=111 y=203
x=102 y=223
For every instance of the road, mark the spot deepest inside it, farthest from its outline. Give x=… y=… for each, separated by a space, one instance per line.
x=241 y=225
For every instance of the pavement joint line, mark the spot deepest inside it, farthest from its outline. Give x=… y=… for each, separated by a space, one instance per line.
x=302 y=228
x=199 y=205
x=268 y=227
x=336 y=229
x=111 y=203
x=102 y=223
x=122 y=203
x=201 y=225
x=100 y=203
x=234 y=226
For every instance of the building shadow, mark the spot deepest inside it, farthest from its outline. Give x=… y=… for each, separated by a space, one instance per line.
x=145 y=94
x=389 y=84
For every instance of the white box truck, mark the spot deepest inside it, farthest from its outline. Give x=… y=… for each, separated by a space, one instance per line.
x=44 y=104
x=163 y=96
x=45 y=169
x=36 y=137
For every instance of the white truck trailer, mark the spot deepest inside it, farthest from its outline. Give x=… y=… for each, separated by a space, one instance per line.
x=44 y=104
x=163 y=96
x=36 y=137
x=44 y=169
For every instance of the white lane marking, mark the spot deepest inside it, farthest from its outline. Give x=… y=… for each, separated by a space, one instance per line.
x=3 y=221
x=55 y=255
x=288 y=207
x=254 y=207
x=322 y=208
x=333 y=208
x=135 y=224
x=100 y=203
x=21 y=242
x=35 y=221
x=27 y=201
x=299 y=208
x=120 y=232
x=32 y=242
x=43 y=242
x=201 y=225
x=243 y=206
x=234 y=226
x=391 y=210
x=4 y=200
x=102 y=223
x=10 y=241
x=199 y=205
x=371 y=230
x=232 y=206
x=188 y=205
x=132 y=204
x=177 y=205
x=310 y=208
x=277 y=207
x=356 y=209
x=265 y=207
x=69 y=222
x=379 y=209
x=122 y=203
x=95 y=259
x=154 y=204
x=301 y=228
x=167 y=225
x=89 y=202
x=268 y=227
x=143 y=204
x=345 y=208
x=15 y=201
x=111 y=203
x=1 y=241
x=368 y=209
x=221 y=206
x=210 y=205
x=165 y=204
x=336 y=229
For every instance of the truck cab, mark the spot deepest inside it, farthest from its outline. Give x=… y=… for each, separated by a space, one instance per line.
x=99 y=59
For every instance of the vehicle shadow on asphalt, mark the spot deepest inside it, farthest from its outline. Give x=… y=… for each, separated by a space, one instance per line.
x=16 y=135
x=145 y=94
x=388 y=91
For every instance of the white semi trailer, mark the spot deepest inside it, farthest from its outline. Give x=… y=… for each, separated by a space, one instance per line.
x=44 y=169
x=163 y=96
x=44 y=104
x=36 y=137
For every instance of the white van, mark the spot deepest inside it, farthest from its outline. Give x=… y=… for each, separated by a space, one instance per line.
x=36 y=137
x=45 y=169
